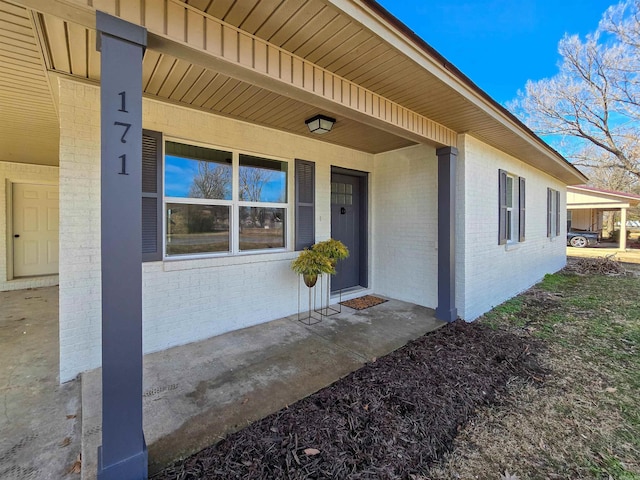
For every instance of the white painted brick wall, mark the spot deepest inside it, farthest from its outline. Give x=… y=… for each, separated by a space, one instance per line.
x=188 y=300
x=184 y=300
x=493 y=273
x=19 y=173
x=461 y=245
x=80 y=287
x=405 y=229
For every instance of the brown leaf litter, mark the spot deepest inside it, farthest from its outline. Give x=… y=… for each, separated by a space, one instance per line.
x=596 y=266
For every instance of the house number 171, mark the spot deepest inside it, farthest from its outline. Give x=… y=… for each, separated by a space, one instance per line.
x=126 y=126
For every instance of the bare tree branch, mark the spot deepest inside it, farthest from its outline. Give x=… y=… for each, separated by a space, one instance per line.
x=212 y=181
x=592 y=104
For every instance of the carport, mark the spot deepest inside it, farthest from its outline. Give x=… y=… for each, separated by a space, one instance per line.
x=586 y=206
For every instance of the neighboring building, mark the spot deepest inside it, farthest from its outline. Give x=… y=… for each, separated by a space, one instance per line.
x=586 y=207
x=234 y=183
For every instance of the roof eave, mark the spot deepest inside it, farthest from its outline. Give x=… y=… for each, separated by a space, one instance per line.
x=468 y=88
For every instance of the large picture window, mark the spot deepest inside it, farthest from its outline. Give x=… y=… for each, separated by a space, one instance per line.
x=218 y=201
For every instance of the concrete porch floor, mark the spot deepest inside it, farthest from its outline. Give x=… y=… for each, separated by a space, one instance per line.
x=39 y=418
x=193 y=394
x=197 y=393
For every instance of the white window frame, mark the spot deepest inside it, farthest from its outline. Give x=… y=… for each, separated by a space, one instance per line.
x=553 y=213
x=234 y=204
x=511 y=215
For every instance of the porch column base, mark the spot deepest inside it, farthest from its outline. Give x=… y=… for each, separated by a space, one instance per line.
x=450 y=315
x=132 y=468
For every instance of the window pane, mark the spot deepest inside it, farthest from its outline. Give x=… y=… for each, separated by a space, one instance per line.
x=262 y=180
x=261 y=228
x=197 y=229
x=509 y=191
x=197 y=172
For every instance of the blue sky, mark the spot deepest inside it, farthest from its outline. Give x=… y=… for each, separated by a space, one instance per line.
x=499 y=44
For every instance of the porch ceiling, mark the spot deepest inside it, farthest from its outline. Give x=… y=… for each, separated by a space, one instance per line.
x=72 y=51
x=361 y=42
x=317 y=31
x=355 y=40
x=28 y=125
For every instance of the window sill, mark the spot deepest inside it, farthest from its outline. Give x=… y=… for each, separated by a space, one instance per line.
x=511 y=246
x=171 y=264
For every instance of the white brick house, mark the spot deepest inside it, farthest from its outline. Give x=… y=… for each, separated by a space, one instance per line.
x=232 y=87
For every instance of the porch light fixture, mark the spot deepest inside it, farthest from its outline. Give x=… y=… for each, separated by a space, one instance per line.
x=320 y=124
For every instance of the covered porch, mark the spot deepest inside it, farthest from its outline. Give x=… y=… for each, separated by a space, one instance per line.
x=193 y=394
x=225 y=81
x=587 y=205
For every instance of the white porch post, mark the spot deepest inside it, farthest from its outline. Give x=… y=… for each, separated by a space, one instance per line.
x=623 y=228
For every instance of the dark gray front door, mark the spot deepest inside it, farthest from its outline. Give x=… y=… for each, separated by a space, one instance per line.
x=345 y=226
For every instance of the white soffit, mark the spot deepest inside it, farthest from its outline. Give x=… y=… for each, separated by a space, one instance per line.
x=29 y=131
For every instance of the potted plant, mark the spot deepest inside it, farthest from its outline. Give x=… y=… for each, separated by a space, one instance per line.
x=310 y=264
x=333 y=249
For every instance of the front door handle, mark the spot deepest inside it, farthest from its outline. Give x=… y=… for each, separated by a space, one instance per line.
x=16 y=236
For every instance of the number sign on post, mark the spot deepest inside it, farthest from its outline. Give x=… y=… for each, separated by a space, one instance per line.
x=123 y=454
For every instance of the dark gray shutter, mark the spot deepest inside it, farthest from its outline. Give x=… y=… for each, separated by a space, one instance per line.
x=522 y=208
x=557 y=213
x=305 y=195
x=151 y=196
x=549 y=212
x=502 y=204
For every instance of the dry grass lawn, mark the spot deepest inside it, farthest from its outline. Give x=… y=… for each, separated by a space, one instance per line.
x=583 y=422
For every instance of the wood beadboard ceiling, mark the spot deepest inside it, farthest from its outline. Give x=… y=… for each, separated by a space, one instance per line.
x=25 y=97
x=284 y=23
x=368 y=60
x=167 y=77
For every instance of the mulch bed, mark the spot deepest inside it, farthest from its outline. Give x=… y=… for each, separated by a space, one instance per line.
x=363 y=302
x=389 y=420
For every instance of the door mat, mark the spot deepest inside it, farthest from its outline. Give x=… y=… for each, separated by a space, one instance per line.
x=361 y=303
